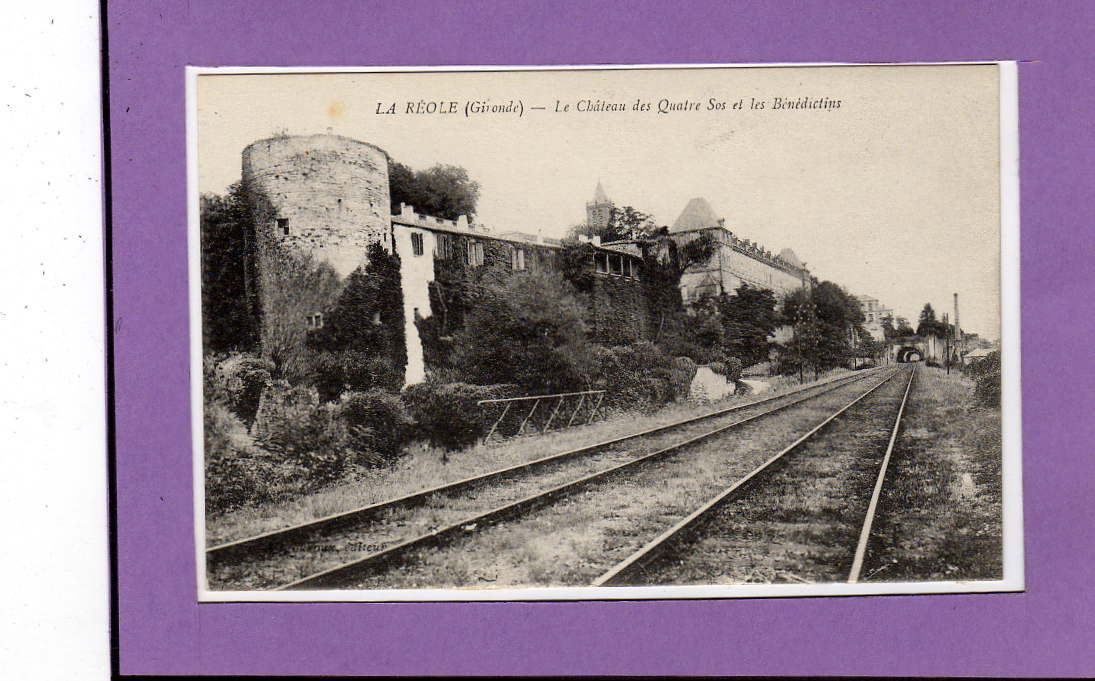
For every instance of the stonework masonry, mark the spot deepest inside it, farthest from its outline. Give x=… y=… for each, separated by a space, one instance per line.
x=322 y=195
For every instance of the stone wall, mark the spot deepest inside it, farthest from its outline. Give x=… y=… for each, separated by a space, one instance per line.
x=737 y=261
x=321 y=195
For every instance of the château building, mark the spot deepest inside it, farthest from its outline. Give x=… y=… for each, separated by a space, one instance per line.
x=736 y=260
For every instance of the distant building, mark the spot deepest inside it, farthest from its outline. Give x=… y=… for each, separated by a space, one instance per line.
x=873 y=314
x=599 y=210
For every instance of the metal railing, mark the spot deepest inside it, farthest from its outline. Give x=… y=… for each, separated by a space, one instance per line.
x=541 y=420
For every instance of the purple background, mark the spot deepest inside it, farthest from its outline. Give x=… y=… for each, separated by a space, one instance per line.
x=1046 y=631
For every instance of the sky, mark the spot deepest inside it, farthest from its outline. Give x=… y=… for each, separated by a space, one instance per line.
x=892 y=194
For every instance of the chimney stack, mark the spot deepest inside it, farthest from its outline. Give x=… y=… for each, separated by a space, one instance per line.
x=957 y=329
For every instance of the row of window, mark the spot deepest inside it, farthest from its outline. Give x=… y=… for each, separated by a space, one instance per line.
x=315 y=321
x=605 y=263
x=617 y=265
x=474 y=256
x=473 y=253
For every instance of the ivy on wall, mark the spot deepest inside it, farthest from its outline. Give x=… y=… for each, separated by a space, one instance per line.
x=368 y=316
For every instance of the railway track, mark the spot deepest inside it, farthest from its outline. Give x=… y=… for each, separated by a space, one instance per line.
x=685 y=548
x=310 y=555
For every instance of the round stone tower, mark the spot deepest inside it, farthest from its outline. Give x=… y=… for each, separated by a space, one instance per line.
x=317 y=202
x=322 y=195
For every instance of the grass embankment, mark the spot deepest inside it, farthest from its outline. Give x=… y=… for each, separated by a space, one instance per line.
x=422 y=467
x=940 y=515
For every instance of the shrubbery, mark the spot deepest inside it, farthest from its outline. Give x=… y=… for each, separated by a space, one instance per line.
x=730 y=368
x=293 y=424
x=236 y=472
x=641 y=376
x=237 y=381
x=378 y=425
x=447 y=414
x=986 y=374
x=333 y=373
x=528 y=331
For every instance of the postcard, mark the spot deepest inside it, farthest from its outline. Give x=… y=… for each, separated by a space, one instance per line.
x=483 y=333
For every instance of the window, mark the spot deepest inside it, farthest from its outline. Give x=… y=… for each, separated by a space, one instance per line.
x=314 y=321
x=615 y=264
x=376 y=318
x=444 y=246
x=283 y=226
x=518 y=259
x=416 y=243
x=600 y=262
x=474 y=254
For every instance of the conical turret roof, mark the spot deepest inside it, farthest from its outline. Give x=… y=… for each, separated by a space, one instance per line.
x=599 y=195
x=789 y=256
x=696 y=214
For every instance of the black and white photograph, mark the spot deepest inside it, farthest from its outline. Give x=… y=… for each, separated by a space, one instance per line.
x=485 y=333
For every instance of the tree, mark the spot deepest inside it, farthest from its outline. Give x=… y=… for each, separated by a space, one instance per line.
x=888 y=329
x=624 y=223
x=444 y=191
x=928 y=325
x=527 y=330
x=749 y=319
x=903 y=328
x=367 y=317
x=800 y=312
x=227 y=319
x=826 y=321
x=664 y=263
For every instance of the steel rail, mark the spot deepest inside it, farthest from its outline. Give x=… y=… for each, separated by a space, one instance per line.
x=335 y=575
x=227 y=550
x=656 y=546
x=865 y=533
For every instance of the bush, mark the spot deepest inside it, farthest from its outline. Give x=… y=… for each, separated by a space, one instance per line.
x=292 y=423
x=987 y=390
x=682 y=372
x=238 y=381
x=367 y=319
x=988 y=364
x=332 y=373
x=733 y=369
x=377 y=424
x=528 y=330
x=730 y=368
x=986 y=374
x=641 y=376
x=236 y=472
x=447 y=414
